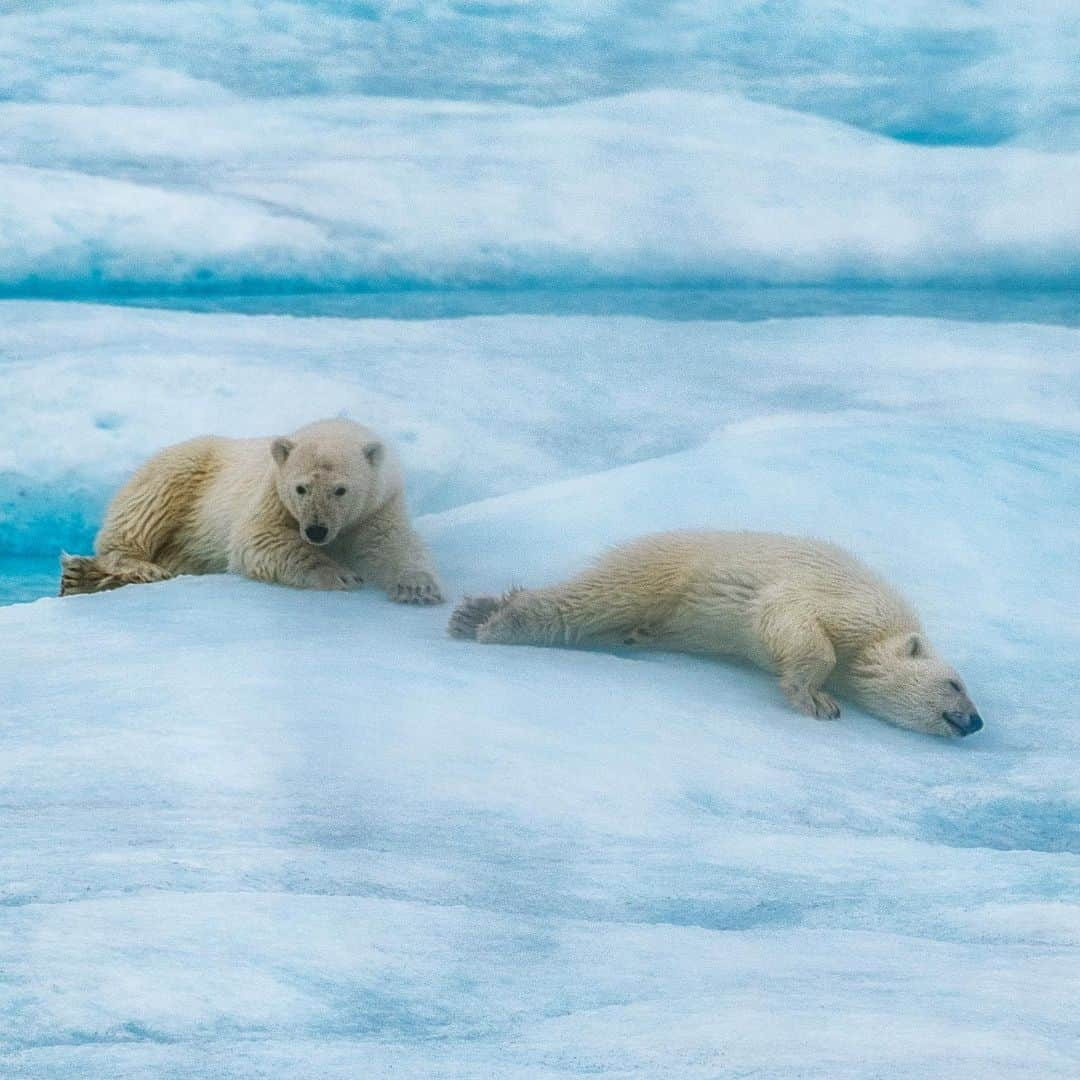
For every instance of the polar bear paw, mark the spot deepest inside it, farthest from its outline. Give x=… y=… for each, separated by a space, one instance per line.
x=88 y=574
x=416 y=587
x=332 y=579
x=472 y=613
x=818 y=704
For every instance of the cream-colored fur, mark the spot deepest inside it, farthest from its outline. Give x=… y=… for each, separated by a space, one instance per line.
x=323 y=508
x=805 y=610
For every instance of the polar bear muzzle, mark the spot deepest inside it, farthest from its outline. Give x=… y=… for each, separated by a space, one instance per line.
x=963 y=723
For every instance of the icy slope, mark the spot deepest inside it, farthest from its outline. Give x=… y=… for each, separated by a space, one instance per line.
x=255 y=832
x=478 y=407
x=259 y=832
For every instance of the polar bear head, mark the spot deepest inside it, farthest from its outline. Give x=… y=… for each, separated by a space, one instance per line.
x=904 y=681
x=330 y=475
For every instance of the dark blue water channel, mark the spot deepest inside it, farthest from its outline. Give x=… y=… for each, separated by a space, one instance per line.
x=1057 y=306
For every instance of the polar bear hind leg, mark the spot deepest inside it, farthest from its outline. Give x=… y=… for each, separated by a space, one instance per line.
x=91 y=574
x=568 y=614
x=474 y=612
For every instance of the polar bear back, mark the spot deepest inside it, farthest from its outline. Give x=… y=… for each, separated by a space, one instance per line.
x=731 y=575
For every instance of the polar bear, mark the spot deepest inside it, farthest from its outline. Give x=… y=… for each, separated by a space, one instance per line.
x=805 y=610
x=323 y=508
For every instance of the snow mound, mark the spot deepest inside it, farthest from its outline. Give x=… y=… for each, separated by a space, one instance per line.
x=478 y=407
x=280 y=833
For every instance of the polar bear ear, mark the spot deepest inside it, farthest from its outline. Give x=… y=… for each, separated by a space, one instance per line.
x=374 y=452
x=280 y=449
x=914 y=646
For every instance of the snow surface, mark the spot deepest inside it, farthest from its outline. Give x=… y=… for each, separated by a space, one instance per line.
x=250 y=832
x=478 y=407
x=659 y=187
x=253 y=832
x=942 y=71
x=203 y=147
x=207 y=147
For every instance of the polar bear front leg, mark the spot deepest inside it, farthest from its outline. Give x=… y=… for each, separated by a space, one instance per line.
x=388 y=550
x=411 y=577
x=801 y=684
x=288 y=560
x=803 y=657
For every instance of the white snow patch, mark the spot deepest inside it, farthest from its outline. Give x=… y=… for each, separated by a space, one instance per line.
x=482 y=406
x=309 y=833
x=663 y=187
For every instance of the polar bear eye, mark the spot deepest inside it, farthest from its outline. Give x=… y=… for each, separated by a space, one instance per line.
x=300 y=489
x=339 y=492
x=956 y=686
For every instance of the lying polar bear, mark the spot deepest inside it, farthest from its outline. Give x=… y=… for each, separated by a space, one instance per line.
x=323 y=508
x=803 y=609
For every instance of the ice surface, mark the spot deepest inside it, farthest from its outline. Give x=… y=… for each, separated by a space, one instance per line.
x=948 y=71
x=207 y=148
x=478 y=407
x=255 y=832
x=251 y=832
x=664 y=187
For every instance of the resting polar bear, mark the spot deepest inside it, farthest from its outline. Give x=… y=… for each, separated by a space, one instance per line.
x=321 y=509
x=803 y=609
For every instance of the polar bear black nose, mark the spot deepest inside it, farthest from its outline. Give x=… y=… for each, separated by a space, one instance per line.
x=316 y=533
x=963 y=723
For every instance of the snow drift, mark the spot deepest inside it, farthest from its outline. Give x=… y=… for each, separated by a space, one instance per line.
x=295 y=831
x=263 y=832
